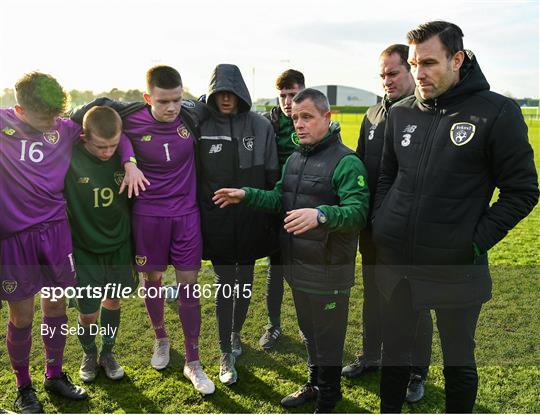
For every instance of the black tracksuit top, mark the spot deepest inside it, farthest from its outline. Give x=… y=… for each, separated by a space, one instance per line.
x=442 y=160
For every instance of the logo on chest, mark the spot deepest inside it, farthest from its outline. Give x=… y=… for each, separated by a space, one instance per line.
x=409 y=131
x=8 y=131
x=215 y=148
x=119 y=176
x=51 y=137
x=372 y=129
x=461 y=133
x=248 y=142
x=183 y=132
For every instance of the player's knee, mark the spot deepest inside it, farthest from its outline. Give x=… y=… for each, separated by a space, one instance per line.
x=152 y=275
x=87 y=319
x=187 y=277
x=53 y=308
x=21 y=321
x=111 y=303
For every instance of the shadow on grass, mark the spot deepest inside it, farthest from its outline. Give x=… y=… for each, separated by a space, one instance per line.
x=123 y=395
x=433 y=401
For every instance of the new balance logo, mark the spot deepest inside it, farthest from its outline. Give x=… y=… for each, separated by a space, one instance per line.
x=330 y=306
x=216 y=148
x=8 y=131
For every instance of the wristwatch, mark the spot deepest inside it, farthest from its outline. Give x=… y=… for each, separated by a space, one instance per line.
x=321 y=217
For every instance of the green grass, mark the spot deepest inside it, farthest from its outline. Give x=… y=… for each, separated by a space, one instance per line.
x=507 y=346
x=530 y=110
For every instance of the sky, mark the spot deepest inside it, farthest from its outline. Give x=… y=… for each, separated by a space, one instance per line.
x=104 y=44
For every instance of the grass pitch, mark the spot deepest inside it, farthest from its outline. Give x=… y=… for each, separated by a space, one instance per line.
x=507 y=338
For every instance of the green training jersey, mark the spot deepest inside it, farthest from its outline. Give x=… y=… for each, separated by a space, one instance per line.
x=98 y=215
x=286 y=141
x=349 y=181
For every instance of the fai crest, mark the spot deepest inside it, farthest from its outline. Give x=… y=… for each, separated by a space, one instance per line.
x=51 y=137
x=119 y=176
x=140 y=260
x=248 y=142
x=182 y=132
x=9 y=286
x=294 y=138
x=462 y=132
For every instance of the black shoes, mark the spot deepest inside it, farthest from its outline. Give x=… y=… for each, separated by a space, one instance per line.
x=63 y=386
x=360 y=366
x=305 y=394
x=415 y=389
x=27 y=402
x=270 y=337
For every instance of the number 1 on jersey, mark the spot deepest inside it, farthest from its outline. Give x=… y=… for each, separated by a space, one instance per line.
x=167 y=155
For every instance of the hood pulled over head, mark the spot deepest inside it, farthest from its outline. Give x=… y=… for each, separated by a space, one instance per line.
x=227 y=77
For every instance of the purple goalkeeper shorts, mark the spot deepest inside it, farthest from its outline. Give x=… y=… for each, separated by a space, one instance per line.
x=160 y=241
x=41 y=256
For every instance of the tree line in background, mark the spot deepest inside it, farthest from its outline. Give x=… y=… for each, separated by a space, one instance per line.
x=7 y=99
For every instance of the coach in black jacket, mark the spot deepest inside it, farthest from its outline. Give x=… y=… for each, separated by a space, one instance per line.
x=398 y=83
x=446 y=150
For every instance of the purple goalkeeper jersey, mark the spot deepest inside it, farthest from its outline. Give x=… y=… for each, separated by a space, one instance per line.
x=165 y=154
x=33 y=165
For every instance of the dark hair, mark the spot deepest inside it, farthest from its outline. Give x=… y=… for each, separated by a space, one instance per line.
x=163 y=76
x=41 y=93
x=450 y=35
x=102 y=121
x=401 y=50
x=290 y=77
x=319 y=99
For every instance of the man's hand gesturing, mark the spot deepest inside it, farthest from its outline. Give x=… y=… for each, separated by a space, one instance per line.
x=225 y=197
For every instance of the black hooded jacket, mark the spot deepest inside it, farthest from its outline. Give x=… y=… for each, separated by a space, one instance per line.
x=369 y=149
x=235 y=150
x=442 y=160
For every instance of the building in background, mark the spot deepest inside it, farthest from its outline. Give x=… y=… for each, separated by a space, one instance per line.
x=342 y=95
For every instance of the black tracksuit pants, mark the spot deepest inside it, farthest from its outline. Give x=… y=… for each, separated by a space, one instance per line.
x=275 y=289
x=456 y=328
x=371 y=318
x=323 y=323
x=232 y=305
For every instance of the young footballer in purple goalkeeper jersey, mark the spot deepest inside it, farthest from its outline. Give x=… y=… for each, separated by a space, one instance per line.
x=166 y=224
x=35 y=240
